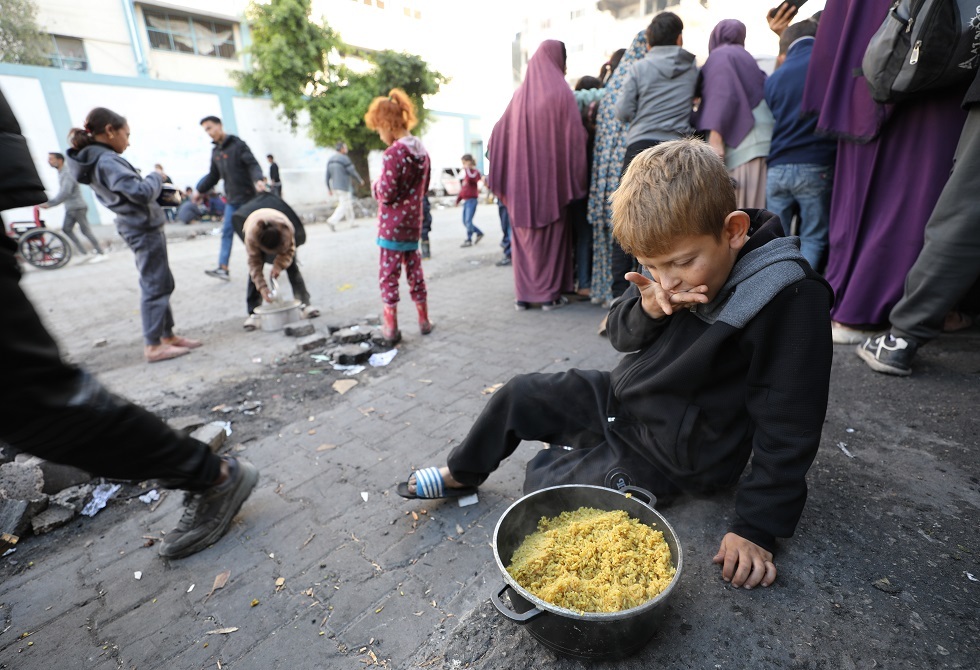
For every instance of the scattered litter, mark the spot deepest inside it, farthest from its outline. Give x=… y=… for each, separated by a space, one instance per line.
x=471 y=499
x=150 y=496
x=326 y=447
x=342 y=386
x=382 y=359
x=100 y=496
x=459 y=529
x=222 y=631
x=344 y=287
x=349 y=370
x=490 y=389
x=257 y=359
x=255 y=601
x=843 y=447
x=222 y=408
x=364 y=496
x=9 y=551
x=219 y=582
x=280 y=584
x=190 y=588
x=320 y=358
x=311 y=431
x=101 y=342
x=425 y=381
x=365 y=410
x=968 y=576
x=849 y=430
x=138 y=575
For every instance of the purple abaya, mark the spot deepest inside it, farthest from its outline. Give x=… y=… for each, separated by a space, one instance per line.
x=892 y=163
x=537 y=166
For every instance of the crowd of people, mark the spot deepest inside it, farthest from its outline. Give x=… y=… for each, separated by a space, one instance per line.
x=806 y=142
x=677 y=172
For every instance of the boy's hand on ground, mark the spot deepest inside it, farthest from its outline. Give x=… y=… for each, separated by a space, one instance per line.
x=658 y=302
x=744 y=563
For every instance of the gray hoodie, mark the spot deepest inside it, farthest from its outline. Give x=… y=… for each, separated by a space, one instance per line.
x=658 y=94
x=340 y=170
x=68 y=192
x=119 y=186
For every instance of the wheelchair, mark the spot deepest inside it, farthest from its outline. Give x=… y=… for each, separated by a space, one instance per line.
x=40 y=246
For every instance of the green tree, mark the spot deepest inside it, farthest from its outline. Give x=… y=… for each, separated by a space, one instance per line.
x=337 y=113
x=301 y=66
x=289 y=55
x=21 y=40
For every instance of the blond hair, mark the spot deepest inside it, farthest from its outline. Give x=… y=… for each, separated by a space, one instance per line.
x=672 y=190
x=392 y=112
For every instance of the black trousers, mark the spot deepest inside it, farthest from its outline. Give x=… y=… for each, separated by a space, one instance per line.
x=571 y=412
x=253 y=298
x=62 y=414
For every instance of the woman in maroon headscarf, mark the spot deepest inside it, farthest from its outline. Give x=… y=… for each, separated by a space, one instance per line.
x=892 y=163
x=537 y=166
x=731 y=88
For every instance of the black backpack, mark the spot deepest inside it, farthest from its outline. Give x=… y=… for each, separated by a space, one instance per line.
x=272 y=201
x=923 y=45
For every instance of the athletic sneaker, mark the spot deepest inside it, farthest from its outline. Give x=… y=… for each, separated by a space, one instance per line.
x=503 y=262
x=98 y=258
x=888 y=354
x=479 y=236
x=208 y=514
x=466 y=243
x=252 y=322
x=218 y=273
x=554 y=304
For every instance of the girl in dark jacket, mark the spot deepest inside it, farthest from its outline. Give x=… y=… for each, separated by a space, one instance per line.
x=95 y=159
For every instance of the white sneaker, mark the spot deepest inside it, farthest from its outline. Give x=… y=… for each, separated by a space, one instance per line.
x=98 y=258
x=252 y=322
x=309 y=311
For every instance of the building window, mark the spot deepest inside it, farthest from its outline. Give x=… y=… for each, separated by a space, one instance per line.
x=171 y=31
x=67 y=53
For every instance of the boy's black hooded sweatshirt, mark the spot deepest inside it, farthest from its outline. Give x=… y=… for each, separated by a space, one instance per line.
x=745 y=375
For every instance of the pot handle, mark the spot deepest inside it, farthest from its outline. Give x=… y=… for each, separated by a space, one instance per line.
x=642 y=495
x=511 y=614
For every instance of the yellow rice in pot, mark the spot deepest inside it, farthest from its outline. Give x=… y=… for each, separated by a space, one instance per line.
x=591 y=560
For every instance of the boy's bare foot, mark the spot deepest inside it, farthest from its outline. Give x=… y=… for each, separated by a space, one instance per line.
x=178 y=341
x=154 y=353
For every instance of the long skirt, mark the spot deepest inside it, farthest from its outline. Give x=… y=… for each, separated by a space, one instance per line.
x=884 y=192
x=542 y=259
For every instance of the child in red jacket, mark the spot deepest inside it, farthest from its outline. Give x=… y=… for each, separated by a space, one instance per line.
x=468 y=193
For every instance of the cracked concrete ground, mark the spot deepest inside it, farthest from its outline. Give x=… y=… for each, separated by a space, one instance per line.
x=405 y=584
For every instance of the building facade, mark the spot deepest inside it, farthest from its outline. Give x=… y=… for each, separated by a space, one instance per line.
x=164 y=66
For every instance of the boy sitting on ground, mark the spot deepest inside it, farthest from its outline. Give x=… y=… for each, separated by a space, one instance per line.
x=731 y=353
x=269 y=238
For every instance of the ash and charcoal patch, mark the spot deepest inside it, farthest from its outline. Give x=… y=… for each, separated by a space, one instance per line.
x=37 y=496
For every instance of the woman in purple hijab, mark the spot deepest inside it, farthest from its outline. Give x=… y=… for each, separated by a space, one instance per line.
x=537 y=166
x=892 y=163
x=732 y=109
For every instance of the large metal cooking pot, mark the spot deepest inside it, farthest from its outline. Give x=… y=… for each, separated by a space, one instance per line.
x=582 y=635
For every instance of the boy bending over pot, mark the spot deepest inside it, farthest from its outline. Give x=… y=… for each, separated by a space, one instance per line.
x=728 y=339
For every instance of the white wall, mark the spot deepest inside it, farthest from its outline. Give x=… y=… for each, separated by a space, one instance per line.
x=302 y=165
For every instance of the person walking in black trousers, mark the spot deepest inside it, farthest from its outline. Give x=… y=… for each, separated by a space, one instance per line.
x=948 y=265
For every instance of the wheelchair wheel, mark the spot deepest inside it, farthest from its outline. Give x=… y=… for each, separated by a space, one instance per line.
x=45 y=249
